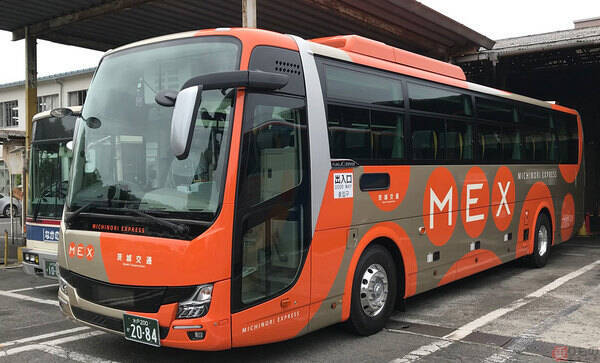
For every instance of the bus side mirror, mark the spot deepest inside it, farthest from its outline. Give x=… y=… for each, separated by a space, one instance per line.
x=183 y=120
x=187 y=101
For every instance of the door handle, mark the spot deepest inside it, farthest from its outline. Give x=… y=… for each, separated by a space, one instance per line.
x=285 y=303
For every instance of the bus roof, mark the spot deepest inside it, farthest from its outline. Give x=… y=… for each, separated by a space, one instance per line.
x=44 y=114
x=372 y=53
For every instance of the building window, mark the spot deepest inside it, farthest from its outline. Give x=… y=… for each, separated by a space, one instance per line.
x=77 y=98
x=9 y=113
x=47 y=103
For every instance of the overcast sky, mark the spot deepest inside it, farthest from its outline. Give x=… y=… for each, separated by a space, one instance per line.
x=494 y=19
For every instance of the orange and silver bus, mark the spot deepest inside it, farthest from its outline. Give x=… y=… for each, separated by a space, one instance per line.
x=233 y=187
x=49 y=166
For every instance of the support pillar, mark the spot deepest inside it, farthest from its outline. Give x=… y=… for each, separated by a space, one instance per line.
x=30 y=110
x=249 y=13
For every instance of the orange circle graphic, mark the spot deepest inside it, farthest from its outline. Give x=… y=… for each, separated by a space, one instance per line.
x=440 y=206
x=475 y=201
x=72 y=249
x=503 y=198
x=89 y=252
x=567 y=217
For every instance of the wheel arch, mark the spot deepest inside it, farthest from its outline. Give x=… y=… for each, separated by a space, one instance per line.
x=393 y=238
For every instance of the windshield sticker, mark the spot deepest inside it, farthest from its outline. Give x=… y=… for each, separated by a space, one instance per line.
x=117 y=228
x=342 y=185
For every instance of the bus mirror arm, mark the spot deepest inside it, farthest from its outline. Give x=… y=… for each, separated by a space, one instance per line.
x=256 y=80
x=187 y=100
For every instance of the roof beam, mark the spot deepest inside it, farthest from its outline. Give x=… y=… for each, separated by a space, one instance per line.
x=443 y=21
x=46 y=26
x=61 y=37
x=343 y=8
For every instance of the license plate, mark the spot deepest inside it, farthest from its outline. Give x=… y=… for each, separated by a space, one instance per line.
x=141 y=330
x=50 y=269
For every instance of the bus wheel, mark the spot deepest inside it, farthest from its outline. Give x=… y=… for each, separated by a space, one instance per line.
x=373 y=291
x=7 y=211
x=542 y=241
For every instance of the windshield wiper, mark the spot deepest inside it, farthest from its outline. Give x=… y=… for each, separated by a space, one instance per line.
x=78 y=211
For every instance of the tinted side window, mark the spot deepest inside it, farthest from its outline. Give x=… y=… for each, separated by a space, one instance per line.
x=537 y=118
x=430 y=99
x=349 y=134
x=568 y=139
x=490 y=140
x=388 y=135
x=427 y=137
x=458 y=140
x=511 y=143
x=495 y=110
x=346 y=84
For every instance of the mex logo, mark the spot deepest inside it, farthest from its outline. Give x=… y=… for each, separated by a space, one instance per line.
x=80 y=251
x=441 y=203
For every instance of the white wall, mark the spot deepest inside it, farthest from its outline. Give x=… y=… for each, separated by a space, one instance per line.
x=15 y=93
x=46 y=88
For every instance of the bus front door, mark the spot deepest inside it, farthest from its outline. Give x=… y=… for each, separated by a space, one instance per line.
x=271 y=269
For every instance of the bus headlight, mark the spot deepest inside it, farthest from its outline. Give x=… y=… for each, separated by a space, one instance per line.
x=197 y=305
x=62 y=284
x=31 y=258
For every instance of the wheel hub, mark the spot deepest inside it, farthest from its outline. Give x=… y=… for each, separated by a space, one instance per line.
x=542 y=240
x=374 y=290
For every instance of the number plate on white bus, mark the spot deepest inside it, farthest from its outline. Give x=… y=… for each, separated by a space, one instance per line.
x=50 y=269
x=141 y=330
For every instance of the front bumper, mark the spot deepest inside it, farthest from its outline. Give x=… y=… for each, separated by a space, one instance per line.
x=173 y=332
x=44 y=259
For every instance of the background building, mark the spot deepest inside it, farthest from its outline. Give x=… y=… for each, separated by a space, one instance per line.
x=561 y=66
x=57 y=90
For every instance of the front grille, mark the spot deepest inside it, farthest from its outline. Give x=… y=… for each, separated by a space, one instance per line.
x=103 y=321
x=125 y=297
x=107 y=322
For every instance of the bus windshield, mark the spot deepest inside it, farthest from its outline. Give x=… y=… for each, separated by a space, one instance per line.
x=123 y=159
x=49 y=166
x=49 y=179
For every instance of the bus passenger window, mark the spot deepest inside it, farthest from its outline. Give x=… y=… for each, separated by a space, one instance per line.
x=568 y=138
x=493 y=110
x=349 y=134
x=351 y=85
x=427 y=138
x=431 y=99
x=388 y=135
x=511 y=144
x=528 y=143
x=458 y=140
x=491 y=143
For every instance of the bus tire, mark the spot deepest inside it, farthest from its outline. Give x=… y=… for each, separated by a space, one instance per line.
x=374 y=291
x=6 y=211
x=542 y=241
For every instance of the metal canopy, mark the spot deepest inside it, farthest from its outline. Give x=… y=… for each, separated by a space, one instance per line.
x=563 y=50
x=102 y=25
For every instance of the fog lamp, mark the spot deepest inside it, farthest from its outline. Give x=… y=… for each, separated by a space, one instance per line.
x=197 y=305
x=196 y=335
